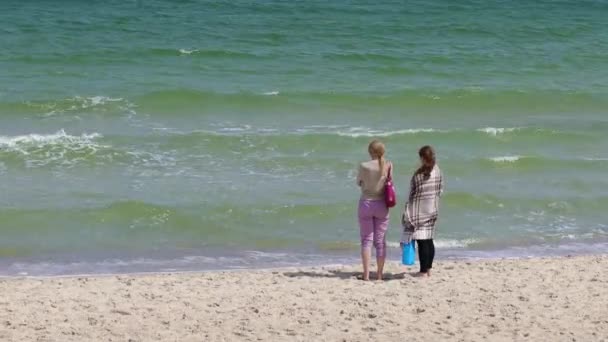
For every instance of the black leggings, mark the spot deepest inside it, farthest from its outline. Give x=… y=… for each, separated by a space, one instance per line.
x=426 y=254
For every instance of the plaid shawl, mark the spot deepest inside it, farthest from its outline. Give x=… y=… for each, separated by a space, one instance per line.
x=421 y=211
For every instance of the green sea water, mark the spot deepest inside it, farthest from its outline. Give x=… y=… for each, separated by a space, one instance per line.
x=177 y=135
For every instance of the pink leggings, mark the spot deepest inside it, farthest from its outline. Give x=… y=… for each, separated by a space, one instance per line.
x=373 y=224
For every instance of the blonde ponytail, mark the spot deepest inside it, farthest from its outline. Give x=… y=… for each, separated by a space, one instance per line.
x=376 y=151
x=381 y=163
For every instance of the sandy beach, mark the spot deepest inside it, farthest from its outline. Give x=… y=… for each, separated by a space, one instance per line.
x=555 y=299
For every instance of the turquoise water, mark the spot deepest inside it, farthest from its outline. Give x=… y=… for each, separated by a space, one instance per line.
x=177 y=135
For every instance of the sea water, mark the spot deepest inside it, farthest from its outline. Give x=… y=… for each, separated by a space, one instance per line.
x=160 y=135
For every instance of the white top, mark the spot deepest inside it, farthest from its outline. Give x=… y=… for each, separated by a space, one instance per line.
x=372 y=180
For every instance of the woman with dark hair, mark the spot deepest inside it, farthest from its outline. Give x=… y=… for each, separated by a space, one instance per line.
x=422 y=209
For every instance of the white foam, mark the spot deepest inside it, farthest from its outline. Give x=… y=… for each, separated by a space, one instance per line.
x=505 y=159
x=271 y=93
x=595 y=159
x=236 y=129
x=455 y=243
x=371 y=133
x=444 y=244
x=167 y=129
x=100 y=100
x=187 y=52
x=152 y=160
x=78 y=103
x=45 y=139
x=331 y=126
x=42 y=149
x=267 y=130
x=496 y=131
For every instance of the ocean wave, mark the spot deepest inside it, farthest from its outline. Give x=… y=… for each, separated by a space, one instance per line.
x=505 y=159
x=376 y=133
x=238 y=129
x=132 y=214
x=486 y=204
x=204 y=53
x=443 y=243
x=592 y=159
x=419 y=100
x=540 y=162
x=128 y=55
x=79 y=104
x=197 y=101
x=40 y=140
x=341 y=138
x=285 y=147
x=496 y=131
x=99 y=100
x=56 y=149
x=64 y=150
x=187 y=52
x=71 y=106
x=346 y=131
x=37 y=150
x=376 y=57
x=301 y=133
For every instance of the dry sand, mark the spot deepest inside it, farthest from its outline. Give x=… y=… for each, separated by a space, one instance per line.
x=559 y=299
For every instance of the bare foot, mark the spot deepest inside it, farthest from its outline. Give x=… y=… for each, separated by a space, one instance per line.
x=379 y=277
x=421 y=275
x=361 y=277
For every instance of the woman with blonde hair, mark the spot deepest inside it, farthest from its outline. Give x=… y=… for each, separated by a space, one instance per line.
x=373 y=211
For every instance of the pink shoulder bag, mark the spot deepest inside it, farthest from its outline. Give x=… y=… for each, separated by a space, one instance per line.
x=390 y=197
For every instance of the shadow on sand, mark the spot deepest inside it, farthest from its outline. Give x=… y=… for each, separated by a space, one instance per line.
x=345 y=275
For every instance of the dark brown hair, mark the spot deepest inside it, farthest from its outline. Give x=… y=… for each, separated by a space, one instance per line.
x=427 y=156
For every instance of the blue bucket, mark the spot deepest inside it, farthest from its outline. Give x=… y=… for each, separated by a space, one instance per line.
x=409 y=253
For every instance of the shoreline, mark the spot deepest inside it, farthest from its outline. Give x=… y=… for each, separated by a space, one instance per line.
x=190 y=263
x=294 y=267
x=558 y=298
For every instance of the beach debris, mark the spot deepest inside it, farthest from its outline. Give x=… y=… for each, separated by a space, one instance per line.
x=121 y=312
